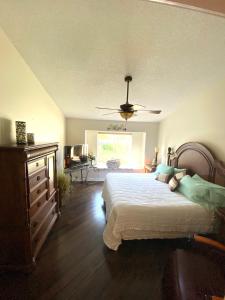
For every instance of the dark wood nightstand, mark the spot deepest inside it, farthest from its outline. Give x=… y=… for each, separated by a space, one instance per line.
x=149 y=168
x=220 y=215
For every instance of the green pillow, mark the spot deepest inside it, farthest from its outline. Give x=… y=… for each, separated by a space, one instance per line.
x=202 y=193
x=217 y=192
x=164 y=169
x=209 y=184
x=190 y=188
x=179 y=170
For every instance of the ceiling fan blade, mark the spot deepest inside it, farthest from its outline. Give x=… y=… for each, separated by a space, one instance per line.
x=156 y=112
x=115 y=112
x=139 y=105
x=106 y=108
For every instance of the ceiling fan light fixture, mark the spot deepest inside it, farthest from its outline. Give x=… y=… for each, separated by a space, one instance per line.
x=126 y=114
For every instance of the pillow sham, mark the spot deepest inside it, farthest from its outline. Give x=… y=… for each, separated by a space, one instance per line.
x=164 y=169
x=176 y=170
x=180 y=175
x=163 y=177
x=173 y=183
x=201 y=193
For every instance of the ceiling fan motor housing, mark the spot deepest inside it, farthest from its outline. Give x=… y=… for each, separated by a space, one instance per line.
x=127 y=107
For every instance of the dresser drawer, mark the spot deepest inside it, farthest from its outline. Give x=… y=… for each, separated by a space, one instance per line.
x=38 y=191
x=37 y=205
x=37 y=177
x=39 y=217
x=42 y=233
x=36 y=165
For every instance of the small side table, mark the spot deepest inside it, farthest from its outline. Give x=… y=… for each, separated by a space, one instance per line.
x=220 y=215
x=149 y=168
x=80 y=166
x=84 y=171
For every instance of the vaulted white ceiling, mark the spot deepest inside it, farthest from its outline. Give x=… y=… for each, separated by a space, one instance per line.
x=81 y=50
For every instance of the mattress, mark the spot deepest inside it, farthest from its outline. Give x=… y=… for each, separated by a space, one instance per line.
x=140 y=207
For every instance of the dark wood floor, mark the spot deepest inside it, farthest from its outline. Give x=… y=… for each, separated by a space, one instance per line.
x=75 y=264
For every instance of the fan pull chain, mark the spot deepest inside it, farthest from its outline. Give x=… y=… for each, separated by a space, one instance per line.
x=125 y=129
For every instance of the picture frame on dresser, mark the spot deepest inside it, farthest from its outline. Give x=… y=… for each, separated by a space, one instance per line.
x=29 y=205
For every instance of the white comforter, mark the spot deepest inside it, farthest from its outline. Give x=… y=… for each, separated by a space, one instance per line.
x=140 y=207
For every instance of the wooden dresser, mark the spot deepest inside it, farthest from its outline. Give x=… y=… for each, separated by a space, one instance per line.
x=28 y=202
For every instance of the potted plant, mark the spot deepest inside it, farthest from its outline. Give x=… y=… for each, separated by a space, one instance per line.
x=91 y=157
x=63 y=183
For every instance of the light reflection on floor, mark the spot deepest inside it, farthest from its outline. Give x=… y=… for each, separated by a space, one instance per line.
x=98 y=207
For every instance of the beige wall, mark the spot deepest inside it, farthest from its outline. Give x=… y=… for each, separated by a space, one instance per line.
x=75 y=131
x=23 y=98
x=200 y=119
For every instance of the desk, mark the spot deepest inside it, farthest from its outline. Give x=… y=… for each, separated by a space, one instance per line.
x=84 y=169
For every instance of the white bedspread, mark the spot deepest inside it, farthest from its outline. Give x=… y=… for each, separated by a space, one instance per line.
x=140 y=207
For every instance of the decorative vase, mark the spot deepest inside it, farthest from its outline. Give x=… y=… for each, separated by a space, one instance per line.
x=30 y=138
x=20 y=132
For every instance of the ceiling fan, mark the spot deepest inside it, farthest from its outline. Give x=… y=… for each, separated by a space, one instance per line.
x=128 y=110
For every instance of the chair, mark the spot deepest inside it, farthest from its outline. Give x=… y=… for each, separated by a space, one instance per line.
x=197 y=273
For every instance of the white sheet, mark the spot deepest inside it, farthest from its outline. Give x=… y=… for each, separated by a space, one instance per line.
x=140 y=207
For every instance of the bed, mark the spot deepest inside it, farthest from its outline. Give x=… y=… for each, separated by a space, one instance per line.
x=140 y=207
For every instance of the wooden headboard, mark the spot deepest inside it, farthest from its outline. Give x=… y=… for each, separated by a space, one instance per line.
x=197 y=158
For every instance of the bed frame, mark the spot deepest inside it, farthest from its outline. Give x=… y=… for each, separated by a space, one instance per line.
x=197 y=158
x=192 y=156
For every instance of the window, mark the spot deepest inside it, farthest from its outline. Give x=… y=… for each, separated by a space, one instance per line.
x=128 y=147
x=114 y=146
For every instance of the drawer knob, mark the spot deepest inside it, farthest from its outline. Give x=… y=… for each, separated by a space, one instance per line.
x=38 y=191
x=36 y=240
x=34 y=224
x=37 y=164
x=38 y=178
